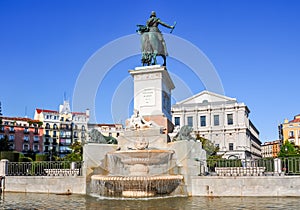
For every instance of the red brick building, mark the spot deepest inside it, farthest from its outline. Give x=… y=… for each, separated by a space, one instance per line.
x=23 y=134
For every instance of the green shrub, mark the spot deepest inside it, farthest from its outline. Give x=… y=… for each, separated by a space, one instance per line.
x=9 y=155
x=40 y=157
x=25 y=159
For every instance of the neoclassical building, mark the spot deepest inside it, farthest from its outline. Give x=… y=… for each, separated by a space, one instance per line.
x=223 y=121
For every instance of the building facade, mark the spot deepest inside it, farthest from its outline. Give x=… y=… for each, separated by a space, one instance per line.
x=290 y=130
x=223 y=121
x=62 y=128
x=24 y=134
x=271 y=149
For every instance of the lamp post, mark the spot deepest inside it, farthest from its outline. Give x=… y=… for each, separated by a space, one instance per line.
x=286 y=159
x=51 y=148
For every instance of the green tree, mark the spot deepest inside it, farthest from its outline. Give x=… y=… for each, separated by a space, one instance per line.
x=76 y=154
x=289 y=149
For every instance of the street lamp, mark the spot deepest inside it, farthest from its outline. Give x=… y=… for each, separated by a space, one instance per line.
x=51 y=148
x=286 y=159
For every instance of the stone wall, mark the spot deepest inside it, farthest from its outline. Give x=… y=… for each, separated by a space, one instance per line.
x=45 y=184
x=246 y=186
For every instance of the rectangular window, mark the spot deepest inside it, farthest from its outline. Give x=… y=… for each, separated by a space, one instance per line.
x=177 y=121
x=291 y=134
x=1 y=136
x=230 y=146
x=229 y=119
x=25 y=147
x=190 y=121
x=26 y=138
x=36 y=138
x=35 y=148
x=216 y=120
x=11 y=137
x=202 y=121
x=36 y=130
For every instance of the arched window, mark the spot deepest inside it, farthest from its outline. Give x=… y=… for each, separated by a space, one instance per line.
x=47 y=126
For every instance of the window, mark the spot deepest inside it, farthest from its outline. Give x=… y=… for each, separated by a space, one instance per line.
x=216 y=120
x=291 y=134
x=1 y=136
x=36 y=138
x=229 y=119
x=26 y=130
x=26 y=138
x=190 y=121
x=25 y=147
x=11 y=129
x=36 y=130
x=48 y=126
x=83 y=128
x=11 y=137
x=55 y=126
x=177 y=121
x=230 y=146
x=75 y=134
x=36 y=148
x=54 y=134
x=202 y=121
x=217 y=145
x=47 y=132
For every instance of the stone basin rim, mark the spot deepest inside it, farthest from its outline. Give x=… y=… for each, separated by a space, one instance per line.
x=136 y=178
x=142 y=151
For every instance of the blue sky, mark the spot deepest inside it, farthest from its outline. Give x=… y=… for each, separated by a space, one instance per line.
x=254 y=46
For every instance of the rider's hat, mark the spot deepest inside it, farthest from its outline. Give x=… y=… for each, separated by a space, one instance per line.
x=153 y=14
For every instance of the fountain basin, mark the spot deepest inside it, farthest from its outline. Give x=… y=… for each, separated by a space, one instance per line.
x=136 y=186
x=147 y=157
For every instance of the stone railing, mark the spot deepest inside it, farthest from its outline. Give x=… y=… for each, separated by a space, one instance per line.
x=240 y=171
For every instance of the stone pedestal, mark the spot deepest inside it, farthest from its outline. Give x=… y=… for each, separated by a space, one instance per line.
x=152 y=94
x=3 y=167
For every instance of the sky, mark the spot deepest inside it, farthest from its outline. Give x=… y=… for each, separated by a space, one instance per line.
x=254 y=46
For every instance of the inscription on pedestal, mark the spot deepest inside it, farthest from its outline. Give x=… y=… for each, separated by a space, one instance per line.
x=148 y=97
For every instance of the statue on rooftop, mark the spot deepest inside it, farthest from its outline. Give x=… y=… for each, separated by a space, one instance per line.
x=152 y=41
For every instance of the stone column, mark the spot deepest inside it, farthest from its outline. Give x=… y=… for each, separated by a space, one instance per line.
x=277 y=166
x=3 y=167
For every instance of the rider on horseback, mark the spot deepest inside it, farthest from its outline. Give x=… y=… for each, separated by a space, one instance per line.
x=153 y=43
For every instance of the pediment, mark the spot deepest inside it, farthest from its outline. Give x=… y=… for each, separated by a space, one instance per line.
x=206 y=97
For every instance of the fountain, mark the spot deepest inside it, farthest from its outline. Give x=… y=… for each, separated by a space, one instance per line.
x=137 y=173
